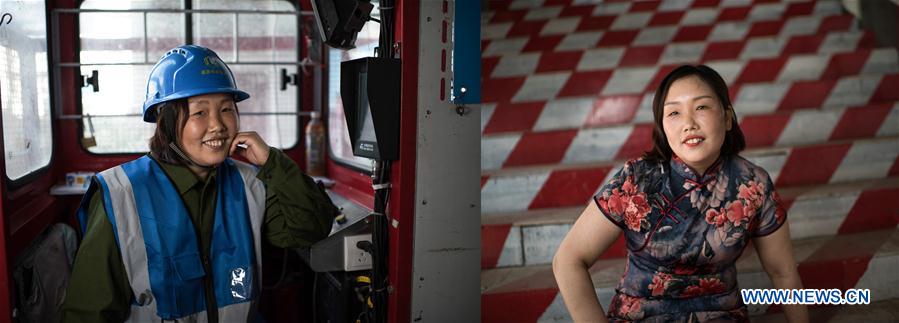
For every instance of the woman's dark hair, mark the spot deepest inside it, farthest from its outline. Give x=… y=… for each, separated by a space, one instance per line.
x=170 y=118
x=734 y=142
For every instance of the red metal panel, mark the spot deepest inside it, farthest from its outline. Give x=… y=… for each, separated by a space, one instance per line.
x=403 y=177
x=5 y=256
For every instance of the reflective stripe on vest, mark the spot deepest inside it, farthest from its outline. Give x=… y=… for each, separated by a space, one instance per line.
x=159 y=245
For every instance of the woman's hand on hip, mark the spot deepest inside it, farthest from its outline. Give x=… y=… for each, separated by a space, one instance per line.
x=256 y=151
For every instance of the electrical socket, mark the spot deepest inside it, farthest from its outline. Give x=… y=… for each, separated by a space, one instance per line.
x=354 y=258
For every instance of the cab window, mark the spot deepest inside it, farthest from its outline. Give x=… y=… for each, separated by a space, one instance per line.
x=24 y=87
x=122 y=40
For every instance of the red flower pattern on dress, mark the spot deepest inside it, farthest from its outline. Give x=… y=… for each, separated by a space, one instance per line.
x=629 y=305
x=684 y=270
x=659 y=283
x=707 y=286
x=629 y=203
x=752 y=195
x=712 y=216
x=737 y=213
x=750 y=199
x=742 y=196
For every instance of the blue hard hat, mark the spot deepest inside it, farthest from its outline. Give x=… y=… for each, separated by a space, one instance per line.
x=187 y=71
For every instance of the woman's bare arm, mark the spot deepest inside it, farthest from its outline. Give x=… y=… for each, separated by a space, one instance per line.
x=590 y=236
x=776 y=254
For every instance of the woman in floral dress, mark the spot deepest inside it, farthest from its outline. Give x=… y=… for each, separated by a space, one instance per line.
x=687 y=209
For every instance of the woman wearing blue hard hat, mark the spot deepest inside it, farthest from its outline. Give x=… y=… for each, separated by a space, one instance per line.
x=176 y=234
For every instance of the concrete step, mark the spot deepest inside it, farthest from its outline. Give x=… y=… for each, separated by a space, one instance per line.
x=768 y=53
x=663 y=12
x=542 y=184
x=781 y=130
x=507 y=35
x=594 y=75
x=794 y=79
x=777 y=129
x=532 y=237
x=866 y=260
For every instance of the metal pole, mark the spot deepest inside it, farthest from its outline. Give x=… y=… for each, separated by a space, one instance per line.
x=146 y=48
x=234 y=37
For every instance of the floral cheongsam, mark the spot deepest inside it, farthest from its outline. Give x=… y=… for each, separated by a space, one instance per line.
x=684 y=233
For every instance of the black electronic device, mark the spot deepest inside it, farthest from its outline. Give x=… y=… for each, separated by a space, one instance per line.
x=370 y=90
x=339 y=21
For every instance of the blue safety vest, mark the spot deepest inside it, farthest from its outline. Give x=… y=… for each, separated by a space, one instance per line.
x=159 y=246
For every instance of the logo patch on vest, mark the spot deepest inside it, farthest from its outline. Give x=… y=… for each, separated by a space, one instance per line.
x=240 y=283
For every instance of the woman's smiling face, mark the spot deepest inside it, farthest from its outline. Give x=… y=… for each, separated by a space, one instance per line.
x=210 y=127
x=695 y=122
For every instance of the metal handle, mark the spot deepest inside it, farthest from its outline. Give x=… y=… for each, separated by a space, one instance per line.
x=287 y=79
x=92 y=81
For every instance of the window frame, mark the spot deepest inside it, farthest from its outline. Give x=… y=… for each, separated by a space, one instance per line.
x=33 y=175
x=187 y=13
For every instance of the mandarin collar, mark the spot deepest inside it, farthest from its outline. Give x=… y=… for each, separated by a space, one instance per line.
x=680 y=167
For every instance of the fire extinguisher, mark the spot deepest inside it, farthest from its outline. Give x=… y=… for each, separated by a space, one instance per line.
x=315 y=146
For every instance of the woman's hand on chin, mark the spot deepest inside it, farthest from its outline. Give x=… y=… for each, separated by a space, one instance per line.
x=256 y=151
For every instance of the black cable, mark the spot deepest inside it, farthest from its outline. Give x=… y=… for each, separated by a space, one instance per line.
x=381 y=179
x=380 y=241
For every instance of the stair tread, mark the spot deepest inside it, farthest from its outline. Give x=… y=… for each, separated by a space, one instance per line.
x=570 y=214
x=606 y=273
